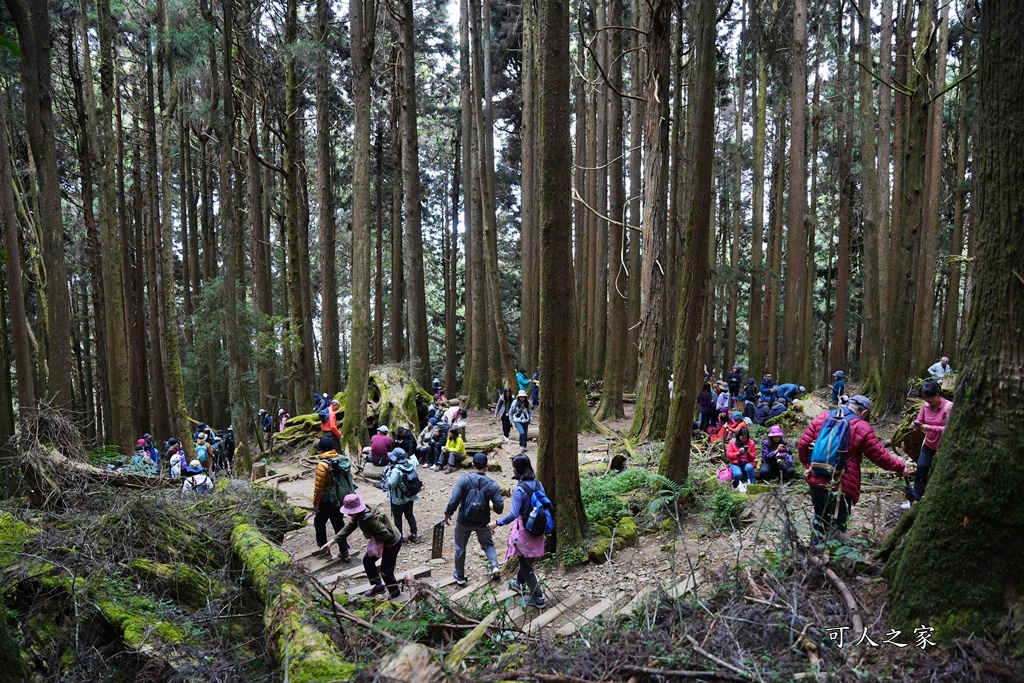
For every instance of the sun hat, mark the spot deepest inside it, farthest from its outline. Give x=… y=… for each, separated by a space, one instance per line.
x=480 y=460
x=521 y=394
x=737 y=415
x=397 y=455
x=280 y=411
x=201 y=437
x=383 y=429
x=776 y=430
x=352 y=505
x=140 y=442
x=837 y=373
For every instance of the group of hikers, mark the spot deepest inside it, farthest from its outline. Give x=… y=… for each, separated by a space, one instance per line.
x=214 y=452
x=719 y=400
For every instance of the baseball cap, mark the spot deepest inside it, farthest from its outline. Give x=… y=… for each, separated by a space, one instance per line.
x=480 y=460
x=861 y=401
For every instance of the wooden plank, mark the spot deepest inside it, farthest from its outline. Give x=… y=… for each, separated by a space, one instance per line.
x=417 y=573
x=442 y=582
x=551 y=614
x=594 y=612
x=469 y=590
x=505 y=595
x=637 y=599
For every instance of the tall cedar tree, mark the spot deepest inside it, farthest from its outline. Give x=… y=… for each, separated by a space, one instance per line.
x=557 y=458
x=675 y=459
x=363 y=22
x=419 y=347
x=330 y=355
x=956 y=568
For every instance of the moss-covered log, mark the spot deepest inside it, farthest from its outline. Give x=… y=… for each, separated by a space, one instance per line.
x=184 y=584
x=304 y=650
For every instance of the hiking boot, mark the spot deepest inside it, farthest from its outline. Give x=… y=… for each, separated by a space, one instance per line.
x=535 y=601
x=413 y=538
x=345 y=557
x=495 y=573
x=394 y=595
x=514 y=585
x=449 y=470
x=377 y=589
x=459 y=580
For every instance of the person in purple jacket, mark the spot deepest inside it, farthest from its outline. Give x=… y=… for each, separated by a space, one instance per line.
x=706 y=405
x=521 y=543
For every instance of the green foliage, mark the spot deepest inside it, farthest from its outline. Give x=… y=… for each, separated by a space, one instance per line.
x=573 y=556
x=105 y=455
x=726 y=507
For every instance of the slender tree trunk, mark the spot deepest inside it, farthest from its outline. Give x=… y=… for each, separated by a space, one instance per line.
x=924 y=310
x=775 y=210
x=755 y=346
x=838 y=360
x=599 y=233
x=611 y=391
x=330 y=358
x=796 y=239
x=557 y=458
x=397 y=251
x=651 y=414
x=955 y=568
x=32 y=22
x=675 y=459
x=737 y=194
x=636 y=116
x=900 y=356
x=903 y=52
x=363 y=22
x=949 y=332
x=884 y=152
x=869 y=181
x=451 y=291
x=529 y=331
x=24 y=371
x=378 y=273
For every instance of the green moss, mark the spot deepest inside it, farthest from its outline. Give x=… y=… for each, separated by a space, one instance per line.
x=186 y=585
x=320 y=670
x=139 y=628
x=627 y=531
x=668 y=525
x=13 y=534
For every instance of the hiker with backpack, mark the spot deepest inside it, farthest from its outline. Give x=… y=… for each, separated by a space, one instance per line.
x=838 y=387
x=266 y=423
x=204 y=450
x=831 y=449
x=502 y=410
x=776 y=457
x=403 y=484
x=229 y=448
x=742 y=454
x=175 y=458
x=333 y=482
x=383 y=543
x=521 y=415
x=197 y=480
x=474 y=496
x=321 y=402
x=931 y=419
x=532 y=517
x=329 y=423
x=706 y=406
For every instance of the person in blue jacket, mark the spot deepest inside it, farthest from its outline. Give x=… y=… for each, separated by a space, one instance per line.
x=838 y=387
x=768 y=388
x=789 y=391
x=523 y=380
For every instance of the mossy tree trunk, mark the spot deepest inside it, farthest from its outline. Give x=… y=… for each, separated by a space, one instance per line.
x=557 y=459
x=958 y=568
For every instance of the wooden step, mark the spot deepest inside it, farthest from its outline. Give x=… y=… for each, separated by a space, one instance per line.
x=443 y=582
x=594 y=612
x=350 y=573
x=417 y=573
x=469 y=590
x=552 y=613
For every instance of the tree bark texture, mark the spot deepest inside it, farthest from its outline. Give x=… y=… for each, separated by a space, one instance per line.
x=330 y=354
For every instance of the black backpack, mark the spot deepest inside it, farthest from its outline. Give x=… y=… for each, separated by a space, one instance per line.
x=410 y=483
x=474 y=505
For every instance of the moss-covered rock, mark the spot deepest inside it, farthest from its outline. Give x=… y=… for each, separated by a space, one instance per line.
x=627 y=531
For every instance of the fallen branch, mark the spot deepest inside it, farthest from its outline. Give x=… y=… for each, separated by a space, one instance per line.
x=720 y=662
x=851 y=604
x=462 y=648
x=676 y=673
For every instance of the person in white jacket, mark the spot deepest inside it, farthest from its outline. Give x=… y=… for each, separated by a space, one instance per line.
x=940 y=369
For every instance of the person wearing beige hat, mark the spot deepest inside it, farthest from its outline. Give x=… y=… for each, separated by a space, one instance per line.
x=383 y=542
x=520 y=414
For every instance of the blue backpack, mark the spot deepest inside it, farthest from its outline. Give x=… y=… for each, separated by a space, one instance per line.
x=201 y=453
x=539 y=514
x=828 y=459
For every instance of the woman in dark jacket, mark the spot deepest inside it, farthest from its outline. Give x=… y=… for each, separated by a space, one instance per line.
x=706 y=404
x=502 y=410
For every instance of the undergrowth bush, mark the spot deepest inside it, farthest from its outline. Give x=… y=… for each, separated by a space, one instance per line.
x=602 y=495
x=726 y=507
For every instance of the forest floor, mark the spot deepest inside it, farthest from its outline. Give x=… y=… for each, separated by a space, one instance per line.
x=742 y=563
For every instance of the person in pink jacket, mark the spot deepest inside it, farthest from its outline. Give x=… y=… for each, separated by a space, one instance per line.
x=831 y=511
x=742 y=455
x=932 y=420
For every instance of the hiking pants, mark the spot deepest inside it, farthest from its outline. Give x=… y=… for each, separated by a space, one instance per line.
x=771 y=469
x=483 y=534
x=506 y=425
x=522 y=428
x=738 y=472
x=397 y=511
x=330 y=435
x=425 y=454
x=706 y=420
x=526 y=575
x=331 y=512
x=454 y=458
x=826 y=520
x=924 y=468
x=388 y=560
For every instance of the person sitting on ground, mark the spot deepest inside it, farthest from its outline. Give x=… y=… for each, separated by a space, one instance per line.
x=470 y=497
x=141 y=462
x=762 y=413
x=706 y=406
x=778 y=408
x=428 y=446
x=838 y=386
x=384 y=542
x=521 y=415
x=380 y=445
x=329 y=424
x=768 y=388
x=436 y=408
x=154 y=452
x=750 y=392
x=789 y=391
x=940 y=369
x=399 y=481
x=931 y=419
x=405 y=439
x=776 y=457
x=453 y=452
x=833 y=496
x=196 y=479
x=736 y=422
x=717 y=431
x=742 y=454
x=501 y=411
x=521 y=543
x=328 y=495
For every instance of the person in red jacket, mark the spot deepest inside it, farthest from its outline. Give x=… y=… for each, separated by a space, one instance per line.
x=329 y=428
x=742 y=455
x=833 y=498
